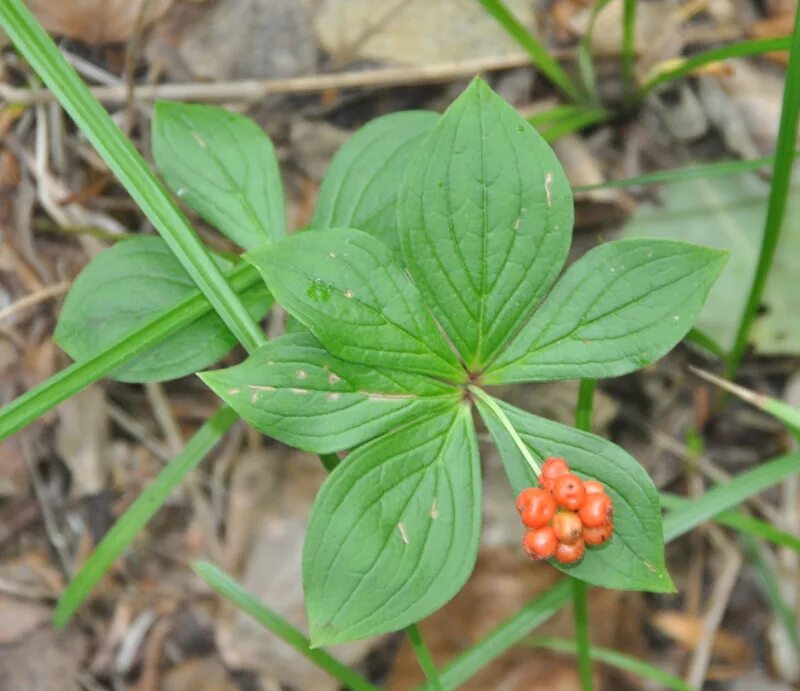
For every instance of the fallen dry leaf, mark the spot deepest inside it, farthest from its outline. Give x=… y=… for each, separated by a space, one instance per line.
x=20 y=617
x=97 y=21
x=687 y=630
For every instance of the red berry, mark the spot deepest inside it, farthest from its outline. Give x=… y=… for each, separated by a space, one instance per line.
x=540 y=543
x=567 y=527
x=536 y=507
x=594 y=487
x=568 y=492
x=598 y=536
x=596 y=511
x=552 y=468
x=570 y=554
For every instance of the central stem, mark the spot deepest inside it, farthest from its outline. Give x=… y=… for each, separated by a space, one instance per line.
x=491 y=404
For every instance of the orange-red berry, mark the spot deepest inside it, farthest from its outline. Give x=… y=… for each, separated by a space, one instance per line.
x=570 y=554
x=567 y=527
x=536 y=507
x=552 y=468
x=568 y=492
x=594 y=487
x=596 y=510
x=540 y=543
x=598 y=536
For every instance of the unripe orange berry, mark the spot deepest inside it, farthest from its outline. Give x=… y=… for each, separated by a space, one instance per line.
x=598 y=536
x=567 y=527
x=540 y=543
x=568 y=492
x=570 y=554
x=596 y=511
x=594 y=487
x=536 y=507
x=552 y=468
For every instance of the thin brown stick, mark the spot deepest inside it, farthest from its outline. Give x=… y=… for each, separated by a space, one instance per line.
x=254 y=90
x=34 y=299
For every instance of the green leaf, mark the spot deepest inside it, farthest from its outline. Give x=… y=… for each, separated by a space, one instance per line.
x=394 y=531
x=127 y=164
x=361 y=186
x=617 y=309
x=485 y=219
x=297 y=392
x=347 y=288
x=634 y=557
x=223 y=166
x=729 y=214
x=130 y=284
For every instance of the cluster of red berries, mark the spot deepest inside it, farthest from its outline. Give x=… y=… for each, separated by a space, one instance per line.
x=564 y=514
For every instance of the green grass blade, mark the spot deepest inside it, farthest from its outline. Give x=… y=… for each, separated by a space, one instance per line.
x=618 y=660
x=787 y=414
x=585 y=64
x=140 y=512
x=679 y=68
x=72 y=379
x=702 y=339
x=509 y=633
x=233 y=591
x=681 y=174
x=539 y=54
x=553 y=114
x=130 y=168
x=740 y=522
x=424 y=657
x=778 y=194
x=731 y=494
x=629 y=44
x=772 y=590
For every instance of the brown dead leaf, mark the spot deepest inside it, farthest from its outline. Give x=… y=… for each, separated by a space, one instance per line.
x=97 y=21
x=198 y=675
x=687 y=630
x=43 y=661
x=774 y=27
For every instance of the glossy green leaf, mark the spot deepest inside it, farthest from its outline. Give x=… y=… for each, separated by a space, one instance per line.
x=634 y=557
x=361 y=186
x=127 y=286
x=223 y=166
x=393 y=534
x=348 y=289
x=485 y=218
x=617 y=309
x=294 y=390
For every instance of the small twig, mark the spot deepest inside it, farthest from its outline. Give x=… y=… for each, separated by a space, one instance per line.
x=256 y=90
x=720 y=596
x=34 y=299
x=163 y=415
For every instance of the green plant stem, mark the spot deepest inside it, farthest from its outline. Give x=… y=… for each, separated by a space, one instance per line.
x=424 y=657
x=583 y=421
x=629 y=45
x=539 y=54
x=585 y=64
x=618 y=660
x=233 y=591
x=778 y=195
x=503 y=419
x=130 y=168
x=47 y=395
x=732 y=50
x=140 y=513
x=584 y=647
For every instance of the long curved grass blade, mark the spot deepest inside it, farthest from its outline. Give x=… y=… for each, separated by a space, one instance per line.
x=619 y=660
x=628 y=43
x=683 y=66
x=124 y=160
x=424 y=657
x=233 y=591
x=778 y=196
x=140 y=512
x=585 y=65
x=47 y=395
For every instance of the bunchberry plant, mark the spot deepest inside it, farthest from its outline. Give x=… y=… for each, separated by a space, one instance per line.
x=432 y=269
